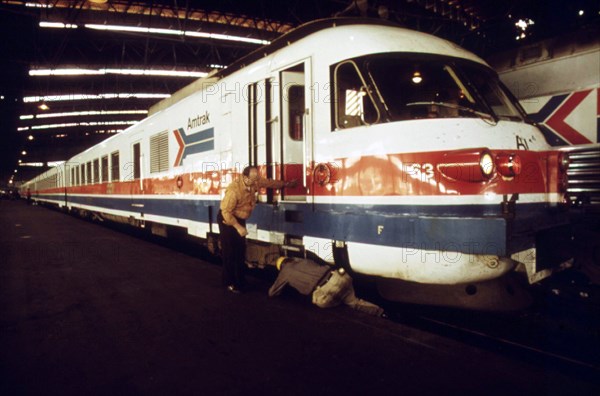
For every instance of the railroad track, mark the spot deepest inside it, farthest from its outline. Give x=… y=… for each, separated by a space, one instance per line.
x=556 y=331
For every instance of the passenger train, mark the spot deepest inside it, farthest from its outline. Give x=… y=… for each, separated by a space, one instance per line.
x=415 y=165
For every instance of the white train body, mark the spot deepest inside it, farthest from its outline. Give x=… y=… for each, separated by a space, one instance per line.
x=395 y=191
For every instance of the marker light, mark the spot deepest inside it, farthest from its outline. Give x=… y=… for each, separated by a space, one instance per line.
x=509 y=165
x=563 y=161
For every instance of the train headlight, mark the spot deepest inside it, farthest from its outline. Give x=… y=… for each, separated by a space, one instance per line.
x=509 y=165
x=486 y=163
x=471 y=165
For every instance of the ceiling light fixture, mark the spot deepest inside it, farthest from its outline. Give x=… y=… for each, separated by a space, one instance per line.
x=59 y=98
x=416 y=78
x=58 y=25
x=130 y=72
x=38 y=5
x=90 y=123
x=139 y=29
x=90 y=113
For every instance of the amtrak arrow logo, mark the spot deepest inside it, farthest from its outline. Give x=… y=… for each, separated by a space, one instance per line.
x=558 y=123
x=196 y=143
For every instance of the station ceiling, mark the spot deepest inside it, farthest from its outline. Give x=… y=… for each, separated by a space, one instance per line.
x=126 y=47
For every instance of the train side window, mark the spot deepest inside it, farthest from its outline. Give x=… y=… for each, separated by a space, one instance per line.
x=96 y=176
x=353 y=103
x=295 y=96
x=137 y=155
x=104 y=164
x=82 y=173
x=88 y=168
x=114 y=163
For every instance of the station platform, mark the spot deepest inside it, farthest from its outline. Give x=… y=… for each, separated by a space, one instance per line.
x=86 y=310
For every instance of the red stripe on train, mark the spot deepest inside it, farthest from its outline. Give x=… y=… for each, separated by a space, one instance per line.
x=410 y=174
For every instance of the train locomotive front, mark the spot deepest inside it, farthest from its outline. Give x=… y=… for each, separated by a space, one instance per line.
x=433 y=179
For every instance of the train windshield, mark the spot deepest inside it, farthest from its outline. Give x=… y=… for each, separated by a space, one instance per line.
x=426 y=86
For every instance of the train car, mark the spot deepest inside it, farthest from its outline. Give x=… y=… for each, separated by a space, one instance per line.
x=558 y=84
x=415 y=165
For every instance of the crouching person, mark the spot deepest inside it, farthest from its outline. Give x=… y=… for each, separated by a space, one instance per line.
x=328 y=287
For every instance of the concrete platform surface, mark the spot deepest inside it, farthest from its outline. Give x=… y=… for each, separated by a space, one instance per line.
x=85 y=309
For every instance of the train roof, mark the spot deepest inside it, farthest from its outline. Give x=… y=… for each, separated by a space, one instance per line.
x=299 y=33
x=420 y=42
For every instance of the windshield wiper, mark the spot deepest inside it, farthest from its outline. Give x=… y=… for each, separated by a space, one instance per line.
x=484 y=116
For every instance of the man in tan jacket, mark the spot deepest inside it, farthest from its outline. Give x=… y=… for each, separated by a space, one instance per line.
x=237 y=205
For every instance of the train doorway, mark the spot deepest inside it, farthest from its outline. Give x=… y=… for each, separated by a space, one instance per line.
x=295 y=139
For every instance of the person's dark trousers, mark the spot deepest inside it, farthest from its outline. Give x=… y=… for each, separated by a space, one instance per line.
x=233 y=253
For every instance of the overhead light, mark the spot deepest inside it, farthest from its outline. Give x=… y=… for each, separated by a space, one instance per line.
x=19 y=129
x=23 y=152
x=58 y=25
x=98 y=1
x=43 y=106
x=30 y=137
x=99 y=72
x=146 y=72
x=26 y=117
x=91 y=112
x=522 y=25
x=172 y=32
x=90 y=123
x=38 y=5
x=581 y=12
x=59 y=98
x=227 y=37
x=64 y=72
x=416 y=78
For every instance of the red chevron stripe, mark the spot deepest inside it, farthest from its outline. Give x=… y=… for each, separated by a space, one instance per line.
x=181 y=148
x=557 y=120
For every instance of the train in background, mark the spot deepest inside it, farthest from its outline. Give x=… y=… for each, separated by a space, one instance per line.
x=557 y=82
x=416 y=165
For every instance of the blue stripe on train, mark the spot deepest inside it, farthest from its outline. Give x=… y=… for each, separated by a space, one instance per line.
x=477 y=229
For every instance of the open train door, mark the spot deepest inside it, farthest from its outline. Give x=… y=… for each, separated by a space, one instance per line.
x=295 y=141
